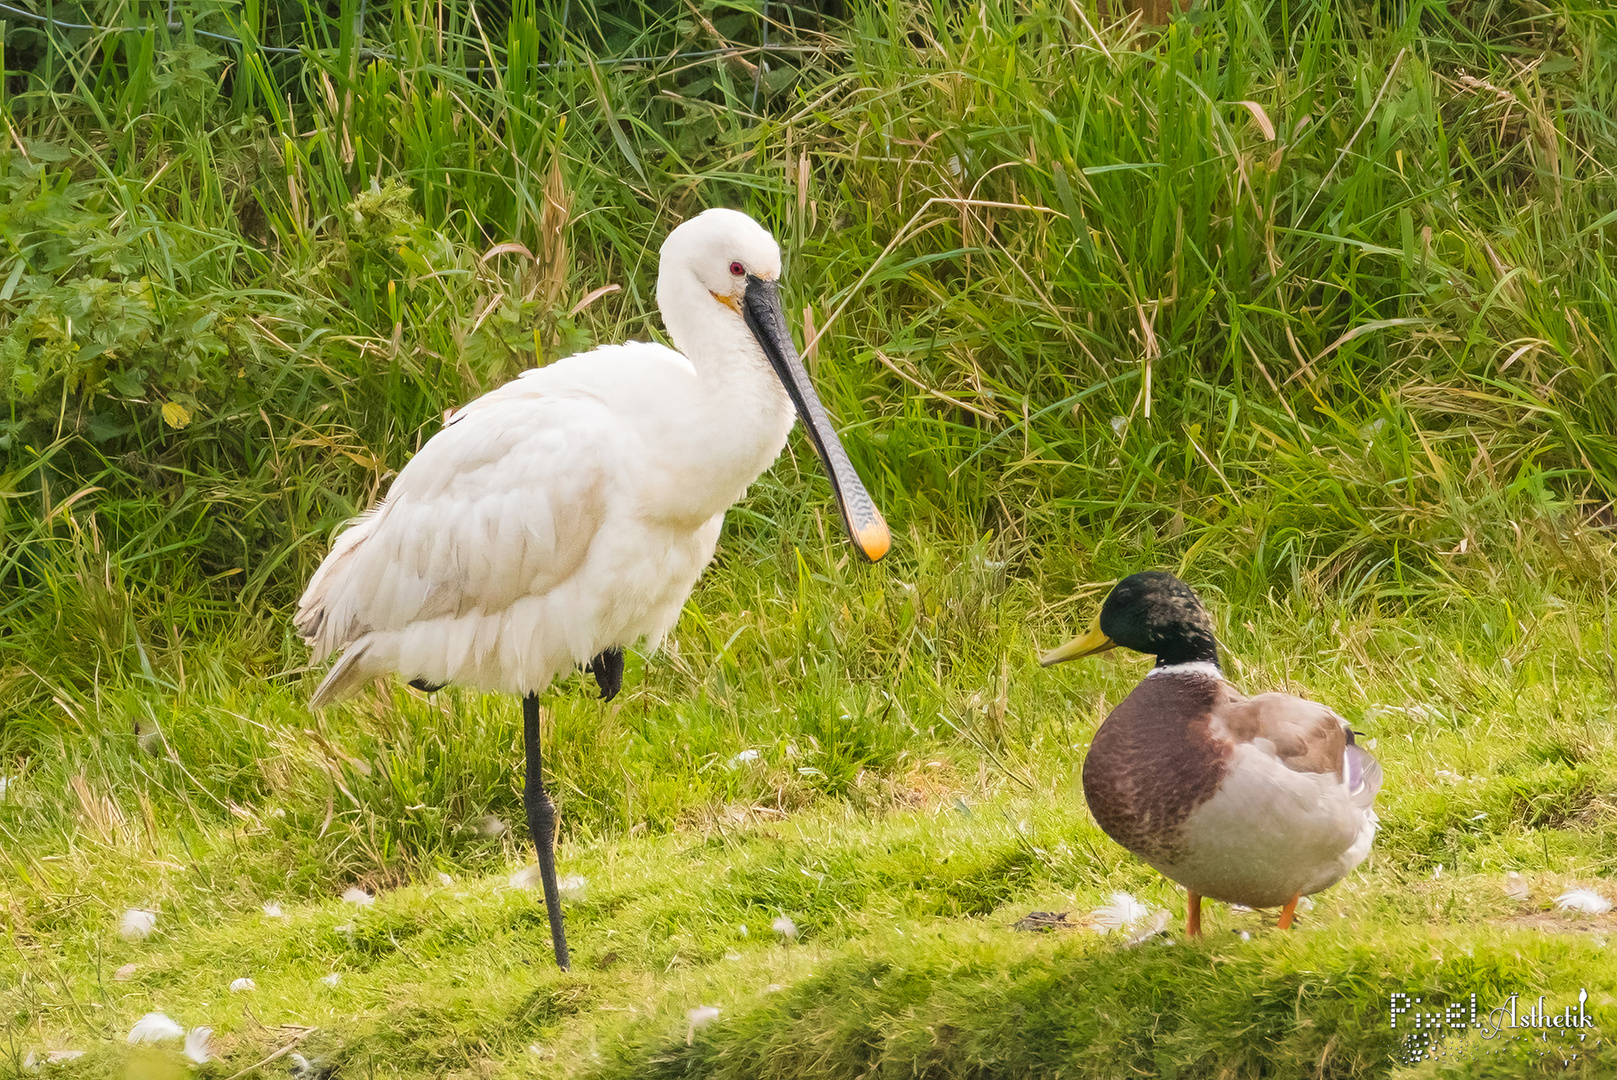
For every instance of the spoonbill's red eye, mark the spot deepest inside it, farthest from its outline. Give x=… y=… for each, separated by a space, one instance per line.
x=737 y=269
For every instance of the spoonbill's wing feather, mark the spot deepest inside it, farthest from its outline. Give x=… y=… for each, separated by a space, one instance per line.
x=501 y=504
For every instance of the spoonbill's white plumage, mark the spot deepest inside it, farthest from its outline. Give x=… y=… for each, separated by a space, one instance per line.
x=568 y=513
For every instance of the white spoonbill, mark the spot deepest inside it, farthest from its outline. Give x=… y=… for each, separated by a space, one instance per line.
x=568 y=514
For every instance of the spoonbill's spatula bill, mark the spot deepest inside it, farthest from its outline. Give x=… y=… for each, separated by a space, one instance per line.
x=568 y=514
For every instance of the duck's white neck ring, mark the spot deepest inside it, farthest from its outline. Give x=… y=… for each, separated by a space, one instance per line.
x=1200 y=668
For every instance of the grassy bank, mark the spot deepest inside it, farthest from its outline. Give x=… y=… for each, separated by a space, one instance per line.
x=1309 y=303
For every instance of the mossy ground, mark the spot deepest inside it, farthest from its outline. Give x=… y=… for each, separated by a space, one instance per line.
x=903 y=889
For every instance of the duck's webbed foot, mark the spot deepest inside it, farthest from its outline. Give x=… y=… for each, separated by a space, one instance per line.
x=607 y=667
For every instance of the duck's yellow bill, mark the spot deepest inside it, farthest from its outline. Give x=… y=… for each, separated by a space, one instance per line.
x=1093 y=641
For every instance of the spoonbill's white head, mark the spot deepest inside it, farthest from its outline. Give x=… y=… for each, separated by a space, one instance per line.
x=721 y=267
x=720 y=248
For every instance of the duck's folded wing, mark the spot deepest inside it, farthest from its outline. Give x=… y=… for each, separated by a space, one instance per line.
x=1306 y=737
x=502 y=503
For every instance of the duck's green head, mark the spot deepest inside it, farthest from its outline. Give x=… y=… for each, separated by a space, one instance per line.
x=1151 y=612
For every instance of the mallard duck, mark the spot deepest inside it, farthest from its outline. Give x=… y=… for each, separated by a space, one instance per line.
x=1257 y=801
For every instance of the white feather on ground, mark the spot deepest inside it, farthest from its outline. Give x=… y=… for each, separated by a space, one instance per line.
x=358 y=896
x=1148 y=928
x=196 y=1045
x=1124 y=910
x=573 y=887
x=1586 y=901
x=1136 y=921
x=698 y=1018
x=136 y=924
x=154 y=1027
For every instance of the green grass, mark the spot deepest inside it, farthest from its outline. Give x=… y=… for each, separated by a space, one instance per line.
x=1309 y=303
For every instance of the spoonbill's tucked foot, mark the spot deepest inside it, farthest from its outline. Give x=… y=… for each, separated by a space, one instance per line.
x=567 y=514
x=1257 y=801
x=607 y=667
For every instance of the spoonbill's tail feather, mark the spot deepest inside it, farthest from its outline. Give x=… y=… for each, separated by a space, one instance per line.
x=346 y=675
x=313 y=619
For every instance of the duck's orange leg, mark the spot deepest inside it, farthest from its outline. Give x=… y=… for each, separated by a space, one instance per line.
x=1289 y=912
x=1193 y=914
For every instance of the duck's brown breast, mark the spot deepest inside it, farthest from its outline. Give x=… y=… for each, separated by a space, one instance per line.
x=1154 y=760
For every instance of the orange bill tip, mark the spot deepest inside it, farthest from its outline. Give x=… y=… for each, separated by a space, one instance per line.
x=875 y=539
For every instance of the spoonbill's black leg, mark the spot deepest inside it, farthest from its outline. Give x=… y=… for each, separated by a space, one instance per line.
x=607 y=667
x=542 y=824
